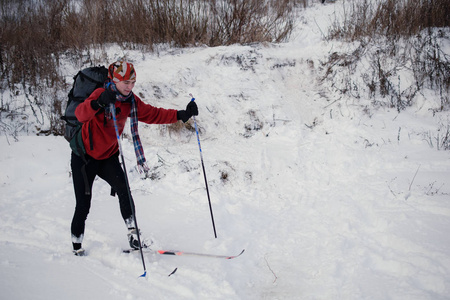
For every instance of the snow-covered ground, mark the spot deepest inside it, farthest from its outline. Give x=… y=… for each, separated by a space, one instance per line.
x=328 y=201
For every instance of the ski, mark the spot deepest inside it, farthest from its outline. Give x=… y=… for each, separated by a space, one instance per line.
x=179 y=253
x=144 y=249
x=183 y=253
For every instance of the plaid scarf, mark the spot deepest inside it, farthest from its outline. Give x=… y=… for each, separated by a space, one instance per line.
x=138 y=149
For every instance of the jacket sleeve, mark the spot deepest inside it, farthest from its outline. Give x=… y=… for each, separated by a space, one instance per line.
x=84 y=112
x=154 y=115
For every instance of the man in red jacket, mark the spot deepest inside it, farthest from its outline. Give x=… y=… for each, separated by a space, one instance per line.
x=100 y=155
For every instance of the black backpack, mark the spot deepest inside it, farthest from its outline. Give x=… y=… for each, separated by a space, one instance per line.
x=85 y=82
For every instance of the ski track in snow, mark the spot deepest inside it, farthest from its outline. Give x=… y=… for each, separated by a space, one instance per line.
x=329 y=202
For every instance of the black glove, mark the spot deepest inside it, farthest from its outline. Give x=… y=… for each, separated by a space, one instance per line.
x=191 y=110
x=105 y=99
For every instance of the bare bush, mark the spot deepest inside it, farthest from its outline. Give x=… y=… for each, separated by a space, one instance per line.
x=440 y=138
x=34 y=34
x=397 y=37
x=389 y=18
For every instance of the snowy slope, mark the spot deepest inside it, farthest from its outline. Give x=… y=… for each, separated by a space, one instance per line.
x=329 y=202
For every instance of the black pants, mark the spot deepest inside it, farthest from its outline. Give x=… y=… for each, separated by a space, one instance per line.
x=107 y=169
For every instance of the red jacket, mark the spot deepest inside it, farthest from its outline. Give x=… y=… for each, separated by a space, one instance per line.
x=99 y=138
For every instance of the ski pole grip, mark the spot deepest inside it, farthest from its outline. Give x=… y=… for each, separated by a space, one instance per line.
x=193 y=99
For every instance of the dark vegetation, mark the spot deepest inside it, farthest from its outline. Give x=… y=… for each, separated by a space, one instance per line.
x=37 y=35
x=394 y=35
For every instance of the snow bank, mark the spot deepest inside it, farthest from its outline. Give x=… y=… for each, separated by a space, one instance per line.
x=330 y=202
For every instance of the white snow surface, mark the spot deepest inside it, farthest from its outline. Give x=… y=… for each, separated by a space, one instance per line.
x=328 y=201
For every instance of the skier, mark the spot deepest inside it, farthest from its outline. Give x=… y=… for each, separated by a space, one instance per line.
x=100 y=156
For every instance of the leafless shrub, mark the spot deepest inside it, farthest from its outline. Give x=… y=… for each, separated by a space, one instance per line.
x=378 y=27
x=389 y=18
x=35 y=34
x=254 y=125
x=179 y=127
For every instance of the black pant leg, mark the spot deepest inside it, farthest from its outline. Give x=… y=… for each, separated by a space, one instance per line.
x=111 y=171
x=83 y=201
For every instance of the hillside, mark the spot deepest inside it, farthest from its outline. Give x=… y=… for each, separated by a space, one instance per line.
x=329 y=198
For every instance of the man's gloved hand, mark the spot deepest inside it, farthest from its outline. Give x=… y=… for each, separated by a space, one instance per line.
x=191 y=110
x=105 y=99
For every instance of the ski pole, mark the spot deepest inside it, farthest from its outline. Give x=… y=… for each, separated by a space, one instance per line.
x=113 y=112
x=204 y=173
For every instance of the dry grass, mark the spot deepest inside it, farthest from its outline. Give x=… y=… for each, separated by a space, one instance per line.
x=34 y=34
x=378 y=26
x=390 y=18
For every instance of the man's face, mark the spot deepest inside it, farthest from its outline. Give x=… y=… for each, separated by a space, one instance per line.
x=125 y=87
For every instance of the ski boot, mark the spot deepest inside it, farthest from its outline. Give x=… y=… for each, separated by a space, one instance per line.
x=79 y=252
x=133 y=239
